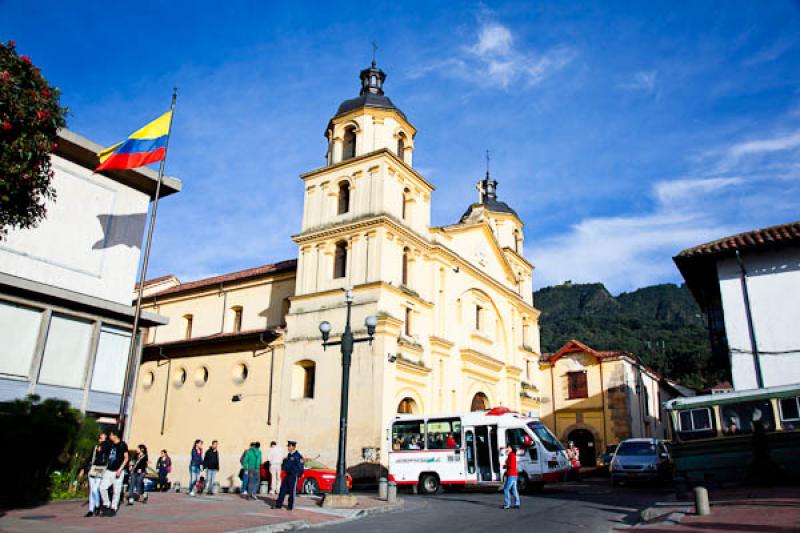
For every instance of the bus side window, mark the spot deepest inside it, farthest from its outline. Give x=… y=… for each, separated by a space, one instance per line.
x=533 y=452
x=515 y=437
x=790 y=412
x=408 y=435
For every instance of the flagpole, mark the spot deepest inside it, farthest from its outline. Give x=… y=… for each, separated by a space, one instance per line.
x=133 y=350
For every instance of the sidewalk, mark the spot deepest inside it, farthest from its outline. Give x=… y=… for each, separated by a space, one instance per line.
x=768 y=510
x=170 y=512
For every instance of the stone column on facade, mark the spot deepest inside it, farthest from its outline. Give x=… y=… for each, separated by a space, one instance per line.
x=337 y=149
x=302 y=267
x=320 y=265
x=355 y=259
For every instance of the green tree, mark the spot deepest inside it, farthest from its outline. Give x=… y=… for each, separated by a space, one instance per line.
x=30 y=116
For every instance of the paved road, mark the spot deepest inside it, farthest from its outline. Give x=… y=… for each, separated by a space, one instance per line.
x=585 y=506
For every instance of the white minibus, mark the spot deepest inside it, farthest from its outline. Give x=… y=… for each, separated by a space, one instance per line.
x=469 y=449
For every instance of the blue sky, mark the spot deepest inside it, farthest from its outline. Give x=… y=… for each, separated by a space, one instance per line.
x=620 y=132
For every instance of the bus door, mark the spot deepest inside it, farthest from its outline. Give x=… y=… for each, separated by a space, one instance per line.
x=487 y=454
x=470 y=456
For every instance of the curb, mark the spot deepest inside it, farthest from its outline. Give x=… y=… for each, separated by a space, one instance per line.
x=295 y=525
x=651 y=517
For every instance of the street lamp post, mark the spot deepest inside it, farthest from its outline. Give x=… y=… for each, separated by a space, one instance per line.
x=347 y=341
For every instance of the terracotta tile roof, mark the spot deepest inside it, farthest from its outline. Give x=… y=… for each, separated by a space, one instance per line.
x=215 y=336
x=771 y=237
x=153 y=281
x=577 y=346
x=274 y=268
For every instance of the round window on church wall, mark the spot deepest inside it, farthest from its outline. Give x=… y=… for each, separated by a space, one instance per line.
x=179 y=377
x=201 y=376
x=148 y=379
x=239 y=373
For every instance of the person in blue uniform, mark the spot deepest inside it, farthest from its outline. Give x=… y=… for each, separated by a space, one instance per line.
x=293 y=467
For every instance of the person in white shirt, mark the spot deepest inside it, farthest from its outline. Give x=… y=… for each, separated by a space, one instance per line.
x=275 y=458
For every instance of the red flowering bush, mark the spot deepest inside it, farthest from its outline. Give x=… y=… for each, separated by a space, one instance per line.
x=30 y=117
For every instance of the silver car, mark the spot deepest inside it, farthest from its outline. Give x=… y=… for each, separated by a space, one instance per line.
x=641 y=459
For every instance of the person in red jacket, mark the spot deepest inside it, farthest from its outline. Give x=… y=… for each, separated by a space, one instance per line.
x=510 y=486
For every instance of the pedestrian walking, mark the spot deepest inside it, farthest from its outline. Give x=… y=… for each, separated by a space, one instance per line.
x=164 y=467
x=94 y=468
x=275 y=458
x=243 y=470
x=114 y=474
x=510 y=486
x=252 y=465
x=137 y=475
x=195 y=465
x=574 y=457
x=293 y=466
x=211 y=465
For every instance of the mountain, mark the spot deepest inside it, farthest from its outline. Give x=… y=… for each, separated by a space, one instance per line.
x=661 y=324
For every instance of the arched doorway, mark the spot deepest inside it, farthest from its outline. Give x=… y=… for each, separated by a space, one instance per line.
x=479 y=402
x=584 y=441
x=407 y=406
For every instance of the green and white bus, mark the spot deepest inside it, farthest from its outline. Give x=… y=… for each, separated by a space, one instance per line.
x=716 y=437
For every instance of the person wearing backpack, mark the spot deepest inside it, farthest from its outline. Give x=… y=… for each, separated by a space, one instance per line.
x=243 y=470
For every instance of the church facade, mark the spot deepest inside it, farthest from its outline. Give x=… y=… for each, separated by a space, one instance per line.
x=242 y=357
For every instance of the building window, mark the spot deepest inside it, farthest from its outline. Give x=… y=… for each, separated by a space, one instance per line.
x=340 y=260
x=343 y=198
x=479 y=402
x=239 y=373
x=406 y=253
x=577 y=385
x=406 y=192
x=408 y=321
x=401 y=146
x=66 y=352
x=237 y=318
x=284 y=310
x=201 y=376
x=304 y=376
x=19 y=329
x=349 y=144
x=407 y=406
x=188 y=330
x=517 y=240
x=478 y=316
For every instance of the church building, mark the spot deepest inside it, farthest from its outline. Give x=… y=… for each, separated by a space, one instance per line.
x=242 y=356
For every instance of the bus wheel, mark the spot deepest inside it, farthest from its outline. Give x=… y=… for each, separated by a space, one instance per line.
x=522 y=482
x=429 y=484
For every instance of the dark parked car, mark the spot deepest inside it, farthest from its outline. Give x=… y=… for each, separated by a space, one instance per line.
x=641 y=459
x=604 y=459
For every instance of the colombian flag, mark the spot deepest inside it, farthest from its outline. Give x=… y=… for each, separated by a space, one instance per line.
x=145 y=146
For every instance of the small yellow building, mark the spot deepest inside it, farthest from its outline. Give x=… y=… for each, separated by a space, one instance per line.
x=598 y=398
x=242 y=357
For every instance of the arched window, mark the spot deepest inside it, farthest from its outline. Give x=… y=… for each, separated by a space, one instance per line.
x=349 y=144
x=303 y=378
x=343 y=198
x=406 y=253
x=340 y=260
x=406 y=192
x=401 y=146
x=407 y=406
x=479 y=402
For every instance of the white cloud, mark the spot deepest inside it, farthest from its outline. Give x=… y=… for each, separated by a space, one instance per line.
x=494 y=59
x=644 y=81
x=627 y=252
x=761 y=146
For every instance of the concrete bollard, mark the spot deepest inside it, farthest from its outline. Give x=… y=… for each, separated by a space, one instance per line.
x=263 y=487
x=391 y=492
x=382 y=488
x=701 y=505
x=176 y=486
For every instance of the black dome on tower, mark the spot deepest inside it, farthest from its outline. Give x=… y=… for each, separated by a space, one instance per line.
x=371 y=94
x=489 y=201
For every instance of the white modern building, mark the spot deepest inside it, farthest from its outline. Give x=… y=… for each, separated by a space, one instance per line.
x=65 y=286
x=749 y=287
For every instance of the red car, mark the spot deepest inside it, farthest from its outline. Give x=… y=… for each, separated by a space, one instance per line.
x=317 y=478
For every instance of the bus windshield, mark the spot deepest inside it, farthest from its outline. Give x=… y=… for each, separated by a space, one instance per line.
x=549 y=441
